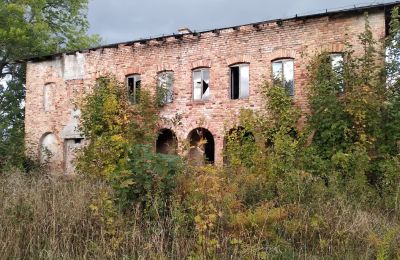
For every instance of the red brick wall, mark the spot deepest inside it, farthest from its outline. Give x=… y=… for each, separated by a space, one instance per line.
x=295 y=39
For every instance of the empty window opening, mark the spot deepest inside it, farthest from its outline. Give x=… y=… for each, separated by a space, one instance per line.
x=201 y=87
x=134 y=83
x=239 y=81
x=48 y=97
x=202 y=147
x=336 y=60
x=164 y=86
x=283 y=74
x=166 y=142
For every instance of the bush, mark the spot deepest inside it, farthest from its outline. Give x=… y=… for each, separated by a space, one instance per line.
x=149 y=180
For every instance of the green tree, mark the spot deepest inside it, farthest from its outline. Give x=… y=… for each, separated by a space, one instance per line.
x=31 y=28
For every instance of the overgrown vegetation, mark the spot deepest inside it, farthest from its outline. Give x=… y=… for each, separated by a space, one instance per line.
x=324 y=187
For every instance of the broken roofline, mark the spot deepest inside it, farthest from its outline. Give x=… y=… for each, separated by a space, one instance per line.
x=359 y=9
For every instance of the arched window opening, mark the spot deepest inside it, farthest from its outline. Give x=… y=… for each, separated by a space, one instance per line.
x=167 y=142
x=283 y=74
x=48 y=148
x=202 y=147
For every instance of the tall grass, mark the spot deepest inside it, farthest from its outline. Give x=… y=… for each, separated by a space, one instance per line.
x=44 y=217
x=51 y=218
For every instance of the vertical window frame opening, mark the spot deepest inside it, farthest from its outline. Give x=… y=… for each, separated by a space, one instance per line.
x=239 y=81
x=337 y=68
x=283 y=82
x=168 y=86
x=205 y=82
x=134 y=93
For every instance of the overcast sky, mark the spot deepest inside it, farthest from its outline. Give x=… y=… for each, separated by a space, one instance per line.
x=125 y=20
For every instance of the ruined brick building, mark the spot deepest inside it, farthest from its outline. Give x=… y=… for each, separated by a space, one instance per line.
x=214 y=74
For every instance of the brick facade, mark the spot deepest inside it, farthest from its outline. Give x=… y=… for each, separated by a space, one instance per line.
x=68 y=76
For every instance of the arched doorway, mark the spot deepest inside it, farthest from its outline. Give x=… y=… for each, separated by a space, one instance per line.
x=202 y=147
x=166 y=143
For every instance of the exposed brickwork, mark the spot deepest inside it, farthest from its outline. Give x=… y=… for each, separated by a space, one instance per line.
x=296 y=39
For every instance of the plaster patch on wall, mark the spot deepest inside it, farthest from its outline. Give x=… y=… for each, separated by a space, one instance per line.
x=71 y=130
x=73 y=66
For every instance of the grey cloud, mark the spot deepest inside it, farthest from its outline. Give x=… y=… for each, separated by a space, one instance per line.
x=124 y=20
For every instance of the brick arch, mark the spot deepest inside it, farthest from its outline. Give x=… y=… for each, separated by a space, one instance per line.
x=201 y=64
x=333 y=47
x=164 y=67
x=238 y=59
x=209 y=126
x=283 y=53
x=133 y=70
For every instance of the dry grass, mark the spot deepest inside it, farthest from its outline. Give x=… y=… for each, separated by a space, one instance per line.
x=48 y=218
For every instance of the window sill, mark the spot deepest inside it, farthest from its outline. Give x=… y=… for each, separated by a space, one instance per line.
x=240 y=99
x=200 y=101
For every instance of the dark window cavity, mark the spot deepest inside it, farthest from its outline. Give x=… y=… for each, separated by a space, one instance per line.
x=166 y=142
x=283 y=74
x=134 y=83
x=201 y=81
x=240 y=81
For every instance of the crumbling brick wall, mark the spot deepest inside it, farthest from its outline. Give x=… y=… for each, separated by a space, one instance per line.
x=72 y=75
